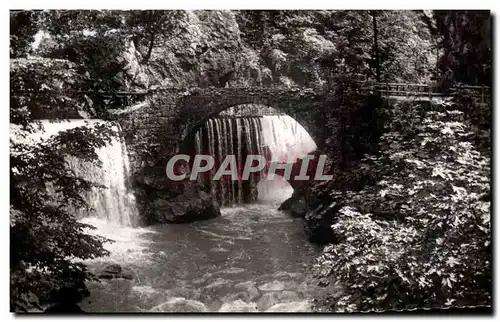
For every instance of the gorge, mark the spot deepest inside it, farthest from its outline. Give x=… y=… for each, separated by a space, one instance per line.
x=398 y=102
x=232 y=263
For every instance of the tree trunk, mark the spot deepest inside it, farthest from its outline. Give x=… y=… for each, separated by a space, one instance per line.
x=150 y=49
x=375 y=45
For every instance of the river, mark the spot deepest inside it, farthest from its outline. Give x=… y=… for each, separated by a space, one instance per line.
x=252 y=258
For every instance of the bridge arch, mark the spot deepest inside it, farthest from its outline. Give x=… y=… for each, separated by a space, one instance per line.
x=202 y=104
x=244 y=130
x=157 y=129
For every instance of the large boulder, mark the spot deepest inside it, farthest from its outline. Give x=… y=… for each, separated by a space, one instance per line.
x=189 y=206
x=180 y=305
x=238 y=306
x=298 y=306
x=295 y=205
x=114 y=271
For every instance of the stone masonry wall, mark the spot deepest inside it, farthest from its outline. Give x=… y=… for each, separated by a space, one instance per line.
x=161 y=126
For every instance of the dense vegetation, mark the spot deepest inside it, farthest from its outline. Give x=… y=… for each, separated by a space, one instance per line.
x=420 y=236
x=45 y=234
x=401 y=243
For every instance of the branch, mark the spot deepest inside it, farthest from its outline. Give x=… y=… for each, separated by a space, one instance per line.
x=150 y=49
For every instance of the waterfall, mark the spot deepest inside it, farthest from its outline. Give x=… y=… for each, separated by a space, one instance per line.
x=231 y=152
x=220 y=155
x=211 y=151
x=198 y=139
x=278 y=135
x=114 y=203
x=239 y=159
x=287 y=141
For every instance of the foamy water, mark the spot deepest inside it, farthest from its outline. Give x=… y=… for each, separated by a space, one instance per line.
x=253 y=258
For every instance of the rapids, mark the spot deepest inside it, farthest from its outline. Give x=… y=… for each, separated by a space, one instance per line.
x=252 y=258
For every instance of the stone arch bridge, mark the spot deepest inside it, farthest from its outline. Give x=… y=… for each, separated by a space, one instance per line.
x=167 y=119
x=163 y=123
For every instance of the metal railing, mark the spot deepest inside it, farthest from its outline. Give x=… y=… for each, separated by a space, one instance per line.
x=427 y=90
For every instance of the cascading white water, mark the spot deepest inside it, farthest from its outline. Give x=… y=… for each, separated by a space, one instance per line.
x=240 y=164
x=287 y=141
x=278 y=135
x=231 y=152
x=220 y=155
x=198 y=142
x=114 y=203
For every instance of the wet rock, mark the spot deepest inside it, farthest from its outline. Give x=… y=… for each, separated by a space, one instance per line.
x=147 y=294
x=272 y=286
x=114 y=271
x=232 y=270
x=288 y=296
x=218 y=283
x=218 y=250
x=291 y=285
x=283 y=274
x=249 y=288
x=185 y=293
x=198 y=281
x=305 y=288
x=269 y=299
x=237 y=296
x=295 y=206
x=191 y=205
x=299 y=306
x=238 y=306
x=180 y=304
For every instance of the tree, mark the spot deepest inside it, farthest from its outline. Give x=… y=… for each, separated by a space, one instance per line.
x=23 y=27
x=151 y=27
x=46 y=238
x=45 y=235
x=419 y=243
x=465 y=40
x=405 y=47
x=375 y=44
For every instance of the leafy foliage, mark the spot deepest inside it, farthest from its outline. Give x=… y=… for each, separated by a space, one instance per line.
x=46 y=238
x=300 y=45
x=152 y=27
x=32 y=81
x=465 y=39
x=420 y=236
x=406 y=47
x=23 y=27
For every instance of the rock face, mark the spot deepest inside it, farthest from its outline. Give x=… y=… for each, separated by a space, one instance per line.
x=323 y=210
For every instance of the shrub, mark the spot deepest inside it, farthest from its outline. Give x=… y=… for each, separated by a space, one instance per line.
x=421 y=236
